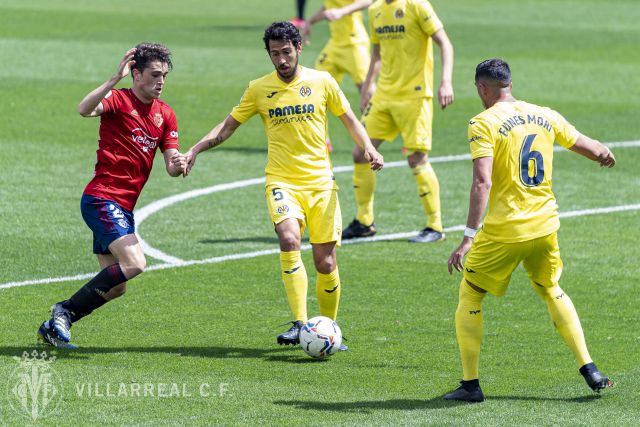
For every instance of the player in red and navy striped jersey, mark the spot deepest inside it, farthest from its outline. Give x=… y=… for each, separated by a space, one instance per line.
x=134 y=123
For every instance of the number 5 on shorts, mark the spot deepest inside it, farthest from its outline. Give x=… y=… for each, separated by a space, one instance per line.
x=277 y=194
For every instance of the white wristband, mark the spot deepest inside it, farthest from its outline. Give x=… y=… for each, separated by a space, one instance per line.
x=470 y=232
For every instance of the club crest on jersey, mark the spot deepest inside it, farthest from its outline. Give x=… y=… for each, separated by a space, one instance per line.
x=283 y=209
x=305 y=91
x=399 y=14
x=157 y=119
x=146 y=141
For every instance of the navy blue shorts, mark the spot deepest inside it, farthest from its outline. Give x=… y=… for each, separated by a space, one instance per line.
x=107 y=220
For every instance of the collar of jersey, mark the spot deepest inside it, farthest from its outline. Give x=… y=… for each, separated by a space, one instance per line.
x=292 y=82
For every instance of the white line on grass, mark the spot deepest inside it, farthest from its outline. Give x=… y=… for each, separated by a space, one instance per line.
x=216 y=260
x=146 y=211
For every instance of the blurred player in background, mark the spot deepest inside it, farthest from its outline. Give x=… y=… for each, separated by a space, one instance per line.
x=347 y=51
x=298 y=21
x=293 y=103
x=402 y=32
x=512 y=149
x=134 y=123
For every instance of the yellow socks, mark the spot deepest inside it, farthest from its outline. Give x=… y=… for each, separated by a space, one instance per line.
x=469 y=329
x=429 y=192
x=328 y=293
x=565 y=318
x=294 y=277
x=364 y=185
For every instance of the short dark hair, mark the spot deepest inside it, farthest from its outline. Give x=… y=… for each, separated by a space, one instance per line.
x=494 y=69
x=284 y=31
x=150 y=52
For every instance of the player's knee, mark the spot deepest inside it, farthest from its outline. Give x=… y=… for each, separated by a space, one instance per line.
x=325 y=265
x=358 y=155
x=289 y=242
x=417 y=158
x=547 y=291
x=133 y=267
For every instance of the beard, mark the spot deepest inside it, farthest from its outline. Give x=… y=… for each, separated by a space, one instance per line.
x=290 y=71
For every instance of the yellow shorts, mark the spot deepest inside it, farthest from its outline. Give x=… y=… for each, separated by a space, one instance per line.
x=489 y=264
x=317 y=210
x=384 y=119
x=340 y=60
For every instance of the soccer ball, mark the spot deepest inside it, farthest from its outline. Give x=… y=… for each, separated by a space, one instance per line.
x=320 y=337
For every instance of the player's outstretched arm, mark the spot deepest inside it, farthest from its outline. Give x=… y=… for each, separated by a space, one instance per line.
x=175 y=162
x=368 y=87
x=91 y=105
x=445 y=92
x=215 y=137
x=594 y=150
x=478 y=198
x=359 y=135
x=338 y=12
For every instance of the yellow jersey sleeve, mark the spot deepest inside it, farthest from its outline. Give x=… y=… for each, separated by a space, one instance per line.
x=480 y=140
x=337 y=103
x=429 y=21
x=246 y=108
x=566 y=133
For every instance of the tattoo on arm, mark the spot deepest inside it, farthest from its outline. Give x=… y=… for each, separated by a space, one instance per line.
x=215 y=141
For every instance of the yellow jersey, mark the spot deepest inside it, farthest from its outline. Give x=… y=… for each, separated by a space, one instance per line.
x=349 y=29
x=520 y=136
x=294 y=116
x=403 y=29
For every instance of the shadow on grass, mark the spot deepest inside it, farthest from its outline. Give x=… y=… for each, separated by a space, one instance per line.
x=577 y=399
x=370 y=405
x=276 y=354
x=414 y=404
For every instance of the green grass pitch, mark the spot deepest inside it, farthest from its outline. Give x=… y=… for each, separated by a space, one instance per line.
x=203 y=335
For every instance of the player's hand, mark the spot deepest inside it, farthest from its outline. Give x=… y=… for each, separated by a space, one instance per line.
x=333 y=14
x=127 y=62
x=190 y=158
x=306 y=34
x=374 y=158
x=445 y=94
x=179 y=162
x=365 y=98
x=457 y=256
x=607 y=160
